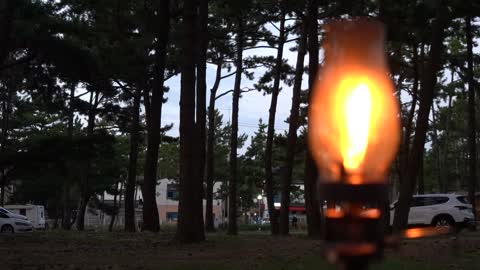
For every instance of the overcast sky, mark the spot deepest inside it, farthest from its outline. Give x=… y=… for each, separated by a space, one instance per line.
x=253 y=105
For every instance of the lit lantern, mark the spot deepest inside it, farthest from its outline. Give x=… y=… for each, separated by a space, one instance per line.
x=353 y=136
x=353 y=117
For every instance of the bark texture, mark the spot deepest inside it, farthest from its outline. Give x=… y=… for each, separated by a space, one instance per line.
x=272 y=212
x=232 y=184
x=287 y=169
x=312 y=205
x=150 y=210
x=428 y=82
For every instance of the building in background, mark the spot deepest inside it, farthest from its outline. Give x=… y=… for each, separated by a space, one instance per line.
x=167 y=202
x=167 y=196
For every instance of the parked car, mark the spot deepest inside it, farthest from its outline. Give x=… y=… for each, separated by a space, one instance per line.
x=11 y=223
x=438 y=210
x=5 y=211
x=34 y=213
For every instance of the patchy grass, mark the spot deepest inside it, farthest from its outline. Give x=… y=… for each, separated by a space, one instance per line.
x=250 y=250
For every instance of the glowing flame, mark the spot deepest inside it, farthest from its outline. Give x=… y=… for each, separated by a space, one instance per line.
x=354 y=117
x=353 y=123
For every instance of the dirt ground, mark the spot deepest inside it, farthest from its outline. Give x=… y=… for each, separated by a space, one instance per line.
x=112 y=251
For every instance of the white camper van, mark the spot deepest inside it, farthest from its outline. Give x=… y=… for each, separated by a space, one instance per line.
x=34 y=213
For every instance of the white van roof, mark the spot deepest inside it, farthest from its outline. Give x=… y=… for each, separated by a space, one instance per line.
x=21 y=206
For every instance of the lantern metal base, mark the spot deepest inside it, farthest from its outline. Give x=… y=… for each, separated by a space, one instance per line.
x=354 y=236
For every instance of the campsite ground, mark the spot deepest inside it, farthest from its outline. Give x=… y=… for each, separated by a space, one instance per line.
x=249 y=250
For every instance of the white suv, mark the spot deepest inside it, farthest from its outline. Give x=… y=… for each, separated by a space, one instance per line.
x=438 y=210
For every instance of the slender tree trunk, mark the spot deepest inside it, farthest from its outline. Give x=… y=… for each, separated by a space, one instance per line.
x=210 y=158
x=67 y=209
x=3 y=183
x=6 y=110
x=271 y=125
x=5 y=116
x=429 y=79
x=190 y=223
x=312 y=205
x=232 y=184
x=472 y=147
x=7 y=7
x=112 y=218
x=85 y=192
x=437 y=152
x=405 y=147
x=421 y=176
x=150 y=210
x=132 y=165
x=201 y=120
x=292 y=134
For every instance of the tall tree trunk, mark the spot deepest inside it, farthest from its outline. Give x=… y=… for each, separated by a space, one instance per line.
x=132 y=165
x=472 y=148
x=421 y=176
x=150 y=210
x=210 y=158
x=6 y=108
x=443 y=149
x=429 y=79
x=406 y=143
x=312 y=205
x=6 y=26
x=292 y=134
x=232 y=184
x=201 y=120
x=85 y=192
x=3 y=186
x=190 y=223
x=67 y=209
x=272 y=212
x=112 y=218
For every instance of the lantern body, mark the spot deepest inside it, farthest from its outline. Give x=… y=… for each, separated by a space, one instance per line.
x=353 y=114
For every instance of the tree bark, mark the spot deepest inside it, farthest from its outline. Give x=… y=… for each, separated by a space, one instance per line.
x=232 y=184
x=6 y=27
x=132 y=165
x=67 y=210
x=6 y=109
x=312 y=205
x=112 y=218
x=272 y=212
x=472 y=147
x=190 y=222
x=292 y=134
x=443 y=149
x=150 y=210
x=210 y=158
x=85 y=192
x=421 y=176
x=406 y=143
x=201 y=120
x=429 y=79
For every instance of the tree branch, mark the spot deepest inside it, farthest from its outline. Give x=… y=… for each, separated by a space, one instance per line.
x=260 y=47
x=81 y=95
x=276 y=27
x=244 y=90
x=124 y=87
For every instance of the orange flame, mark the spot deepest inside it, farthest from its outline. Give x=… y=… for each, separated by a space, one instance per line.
x=353 y=114
x=354 y=120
